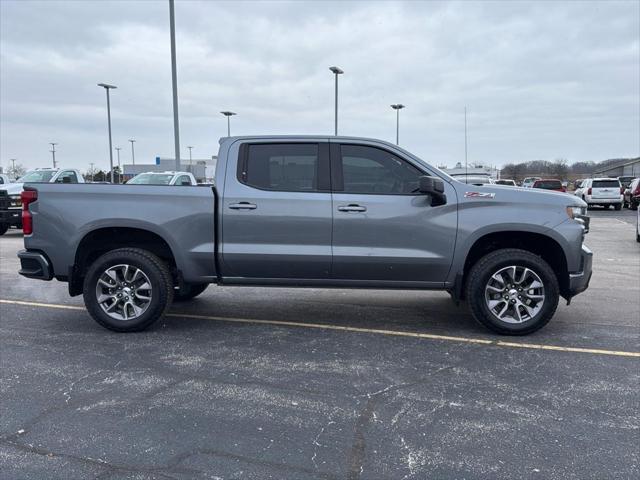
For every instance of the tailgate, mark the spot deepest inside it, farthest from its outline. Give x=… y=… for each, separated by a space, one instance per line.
x=605 y=189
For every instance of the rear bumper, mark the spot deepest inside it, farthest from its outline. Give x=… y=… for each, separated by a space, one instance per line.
x=579 y=281
x=34 y=265
x=603 y=201
x=11 y=216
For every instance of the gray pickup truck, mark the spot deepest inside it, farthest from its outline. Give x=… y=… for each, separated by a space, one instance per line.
x=310 y=211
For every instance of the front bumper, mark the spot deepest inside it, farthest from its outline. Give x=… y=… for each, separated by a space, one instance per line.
x=34 y=265
x=12 y=216
x=579 y=281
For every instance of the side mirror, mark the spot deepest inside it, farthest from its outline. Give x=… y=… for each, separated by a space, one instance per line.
x=185 y=183
x=66 y=179
x=434 y=187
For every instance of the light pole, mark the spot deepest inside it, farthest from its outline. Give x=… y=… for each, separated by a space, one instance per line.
x=190 y=158
x=92 y=164
x=119 y=170
x=336 y=71
x=53 y=152
x=466 y=165
x=174 y=81
x=13 y=166
x=397 y=107
x=133 y=153
x=228 y=115
x=108 y=87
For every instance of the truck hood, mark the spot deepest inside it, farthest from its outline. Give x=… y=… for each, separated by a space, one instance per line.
x=504 y=193
x=12 y=188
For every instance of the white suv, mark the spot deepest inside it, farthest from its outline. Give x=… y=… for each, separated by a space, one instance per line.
x=601 y=191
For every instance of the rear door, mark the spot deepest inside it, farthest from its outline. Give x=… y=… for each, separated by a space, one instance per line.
x=276 y=212
x=605 y=189
x=383 y=229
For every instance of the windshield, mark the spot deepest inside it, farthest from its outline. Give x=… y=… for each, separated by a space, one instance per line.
x=473 y=180
x=151 y=179
x=38 y=176
x=549 y=184
x=606 y=184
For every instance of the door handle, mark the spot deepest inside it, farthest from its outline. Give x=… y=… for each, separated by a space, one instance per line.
x=352 y=208
x=243 y=206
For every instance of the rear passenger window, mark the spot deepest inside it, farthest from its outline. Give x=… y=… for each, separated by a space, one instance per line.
x=283 y=167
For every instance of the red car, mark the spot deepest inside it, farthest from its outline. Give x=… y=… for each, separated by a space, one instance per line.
x=549 y=184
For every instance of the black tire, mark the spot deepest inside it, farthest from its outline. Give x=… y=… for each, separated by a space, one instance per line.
x=159 y=278
x=3 y=228
x=633 y=205
x=618 y=206
x=189 y=291
x=481 y=273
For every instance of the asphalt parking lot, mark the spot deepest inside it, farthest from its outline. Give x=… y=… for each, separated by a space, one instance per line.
x=253 y=383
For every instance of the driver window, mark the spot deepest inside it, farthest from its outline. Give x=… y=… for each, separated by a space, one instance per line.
x=375 y=171
x=70 y=174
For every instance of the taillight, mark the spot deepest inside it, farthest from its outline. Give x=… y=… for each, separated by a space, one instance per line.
x=27 y=197
x=589 y=191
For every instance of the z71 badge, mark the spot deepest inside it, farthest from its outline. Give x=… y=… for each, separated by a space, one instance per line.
x=479 y=195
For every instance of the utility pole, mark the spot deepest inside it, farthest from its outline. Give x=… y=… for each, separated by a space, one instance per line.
x=174 y=81
x=133 y=153
x=336 y=71
x=397 y=107
x=53 y=152
x=13 y=165
x=228 y=114
x=119 y=169
x=108 y=87
x=190 y=159
x=466 y=166
x=92 y=170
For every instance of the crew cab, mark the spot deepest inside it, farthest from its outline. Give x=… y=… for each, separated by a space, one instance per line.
x=10 y=203
x=310 y=211
x=183 y=179
x=601 y=191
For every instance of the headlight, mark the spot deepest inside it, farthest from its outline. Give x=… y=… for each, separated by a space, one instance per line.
x=15 y=201
x=576 y=212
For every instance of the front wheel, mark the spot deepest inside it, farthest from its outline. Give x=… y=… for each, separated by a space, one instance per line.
x=128 y=289
x=512 y=291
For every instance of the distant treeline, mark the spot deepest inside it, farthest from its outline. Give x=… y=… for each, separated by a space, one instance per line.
x=559 y=168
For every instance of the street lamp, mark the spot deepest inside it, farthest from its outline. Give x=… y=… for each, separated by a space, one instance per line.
x=174 y=83
x=119 y=169
x=397 y=107
x=133 y=153
x=336 y=71
x=190 y=158
x=108 y=87
x=53 y=152
x=228 y=115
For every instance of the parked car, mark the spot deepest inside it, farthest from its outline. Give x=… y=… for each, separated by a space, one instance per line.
x=549 y=184
x=163 y=178
x=10 y=203
x=632 y=195
x=601 y=191
x=625 y=181
x=506 y=181
x=474 y=179
x=309 y=211
x=638 y=225
x=4 y=179
x=529 y=181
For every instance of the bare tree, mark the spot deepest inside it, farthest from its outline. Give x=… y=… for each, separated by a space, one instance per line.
x=16 y=170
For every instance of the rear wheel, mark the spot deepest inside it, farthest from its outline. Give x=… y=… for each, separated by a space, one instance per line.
x=128 y=289
x=512 y=291
x=189 y=291
x=618 y=206
x=3 y=228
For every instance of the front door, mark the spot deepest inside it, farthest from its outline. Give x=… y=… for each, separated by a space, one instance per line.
x=276 y=212
x=384 y=230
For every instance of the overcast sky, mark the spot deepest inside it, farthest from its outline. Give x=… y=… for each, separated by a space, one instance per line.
x=541 y=80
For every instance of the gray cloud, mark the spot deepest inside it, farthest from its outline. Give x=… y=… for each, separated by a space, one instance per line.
x=541 y=80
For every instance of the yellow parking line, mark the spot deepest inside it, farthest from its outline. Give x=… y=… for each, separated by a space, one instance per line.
x=376 y=331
